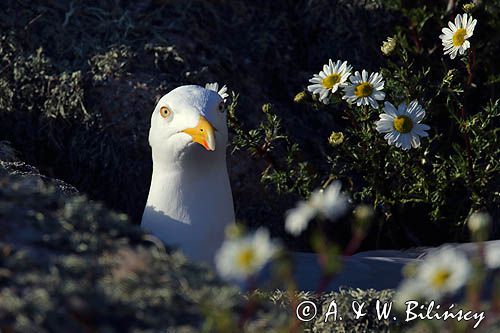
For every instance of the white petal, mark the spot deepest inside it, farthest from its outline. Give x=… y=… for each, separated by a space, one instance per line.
x=364 y=75
x=379 y=95
x=390 y=109
x=387 y=117
x=420 y=129
x=405 y=141
x=415 y=141
x=471 y=27
x=458 y=21
x=313 y=87
x=373 y=102
x=464 y=20
x=402 y=108
x=384 y=126
x=447 y=31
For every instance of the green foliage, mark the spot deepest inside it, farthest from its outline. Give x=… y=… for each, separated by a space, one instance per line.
x=268 y=141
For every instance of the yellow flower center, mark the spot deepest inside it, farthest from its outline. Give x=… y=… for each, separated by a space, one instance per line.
x=363 y=89
x=440 y=278
x=246 y=257
x=331 y=80
x=403 y=124
x=459 y=37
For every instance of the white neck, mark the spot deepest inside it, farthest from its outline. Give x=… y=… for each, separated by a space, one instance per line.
x=190 y=204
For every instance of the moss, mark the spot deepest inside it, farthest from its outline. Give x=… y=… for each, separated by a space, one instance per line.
x=69 y=264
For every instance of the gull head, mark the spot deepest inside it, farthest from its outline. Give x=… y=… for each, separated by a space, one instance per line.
x=188 y=123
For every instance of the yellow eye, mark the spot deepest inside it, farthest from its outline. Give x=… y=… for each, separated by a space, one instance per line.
x=221 y=107
x=165 y=112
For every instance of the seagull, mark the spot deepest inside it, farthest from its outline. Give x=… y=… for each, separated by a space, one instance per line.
x=190 y=203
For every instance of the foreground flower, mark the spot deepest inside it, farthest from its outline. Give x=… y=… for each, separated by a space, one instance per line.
x=329 y=203
x=443 y=272
x=240 y=258
x=492 y=256
x=215 y=87
x=328 y=81
x=364 y=89
x=455 y=37
x=402 y=125
x=410 y=289
x=479 y=225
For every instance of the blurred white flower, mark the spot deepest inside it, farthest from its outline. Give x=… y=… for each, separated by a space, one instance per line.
x=215 y=87
x=454 y=38
x=479 y=221
x=329 y=203
x=408 y=290
x=492 y=256
x=402 y=125
x=443 y=272
x=333 y=76
x=240 y=258
x=365 y=89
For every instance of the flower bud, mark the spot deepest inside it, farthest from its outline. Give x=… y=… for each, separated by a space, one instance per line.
x=235 y=230
x=336 y=138
x=266 y=108
x=469 y=7
x=388 y=46
x=479 y=225
x=363 y=215
x=301 y=97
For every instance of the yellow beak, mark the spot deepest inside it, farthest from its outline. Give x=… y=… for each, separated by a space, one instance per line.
x=203 y=133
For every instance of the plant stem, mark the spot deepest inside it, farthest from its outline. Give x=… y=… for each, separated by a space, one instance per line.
x=468 y=147
x=250 y=305
x=354 y=243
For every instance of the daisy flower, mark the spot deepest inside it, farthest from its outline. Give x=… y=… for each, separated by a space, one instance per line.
x=240 y=258
x=364 y=89
x=443 y=272
x=402 y=125
x=328 y=81
x=410 y=289
x=215 y=87
x=329 y=203
x=454 y=38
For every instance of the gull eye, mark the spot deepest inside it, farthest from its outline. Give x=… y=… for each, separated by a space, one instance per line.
x=166 y=112
x=221 y=107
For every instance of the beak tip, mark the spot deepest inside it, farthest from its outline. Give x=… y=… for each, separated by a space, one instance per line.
x=203 y=133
